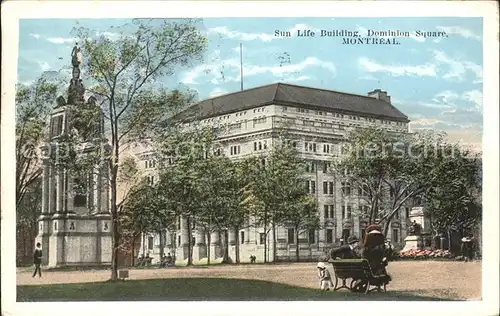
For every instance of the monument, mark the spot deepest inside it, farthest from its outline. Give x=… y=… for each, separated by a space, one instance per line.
x=74 y=227
x=417 y=229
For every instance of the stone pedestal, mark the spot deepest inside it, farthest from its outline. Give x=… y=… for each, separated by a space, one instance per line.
x=412 y=242
x=215 y=249
x=232 y=246
x=200 y=248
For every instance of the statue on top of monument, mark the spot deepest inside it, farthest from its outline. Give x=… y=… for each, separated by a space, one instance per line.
x=76 y=56
x=76 y=89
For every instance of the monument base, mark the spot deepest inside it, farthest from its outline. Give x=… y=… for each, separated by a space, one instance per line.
x=412 y=242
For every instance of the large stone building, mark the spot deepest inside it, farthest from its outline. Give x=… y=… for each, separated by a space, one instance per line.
x=315 y=121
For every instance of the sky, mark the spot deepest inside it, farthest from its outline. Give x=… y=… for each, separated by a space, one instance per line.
x=436 y=81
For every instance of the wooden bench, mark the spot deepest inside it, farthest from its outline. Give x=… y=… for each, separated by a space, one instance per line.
x=357 y=270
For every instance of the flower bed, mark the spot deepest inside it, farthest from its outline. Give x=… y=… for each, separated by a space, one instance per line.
x=426 y=254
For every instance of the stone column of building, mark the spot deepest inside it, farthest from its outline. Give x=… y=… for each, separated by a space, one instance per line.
x=232 y=245
x=214 y=246
x=59 y=189
x=70 y=192
x=45 y=186
x=51 y=201
x=98 y=189
x=90 y=190
x=104 y=183
x=183 y=248
x=200 y=247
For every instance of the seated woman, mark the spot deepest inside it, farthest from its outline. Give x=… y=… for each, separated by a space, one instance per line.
x=374 y=252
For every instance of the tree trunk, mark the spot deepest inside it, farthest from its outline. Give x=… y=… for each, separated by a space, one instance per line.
x=190 y=252
x=161 y=243
x=114 y=217
x=237 y=246
x=274 y=242
x=297 y=249
x=449 y=240
x=223 y=237
x=133 y=250
x=209 y=242
x=386 y=228
x=265 y=243
x=143 y=243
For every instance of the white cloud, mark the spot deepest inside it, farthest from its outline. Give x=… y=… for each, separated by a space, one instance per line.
x=458 y=68
x=277 y=71
x=426 y=122
x=110 y=35
x=397 y=70
x=61 y=40
x=229 y=70
x=369 y=78
x=37 y=36
x=223 y=30
x=44 y=66
x=216 y=92
x=458 y=30
x=299 y=78
x=265 y=37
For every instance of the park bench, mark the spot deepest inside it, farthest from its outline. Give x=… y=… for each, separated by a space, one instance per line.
x=356 y=269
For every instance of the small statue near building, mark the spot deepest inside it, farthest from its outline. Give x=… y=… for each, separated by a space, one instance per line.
x=415 y=229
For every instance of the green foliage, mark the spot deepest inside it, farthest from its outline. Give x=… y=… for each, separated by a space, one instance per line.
x=395 y=168
x=125 y=75
x=33 y=104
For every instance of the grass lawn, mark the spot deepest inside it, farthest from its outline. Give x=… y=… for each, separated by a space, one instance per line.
x=193 y=289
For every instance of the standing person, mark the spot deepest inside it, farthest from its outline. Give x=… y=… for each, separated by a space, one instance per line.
x=349 y=251
x=467 y=248
x=325 y=279
x=472 y=247
x=37 y=260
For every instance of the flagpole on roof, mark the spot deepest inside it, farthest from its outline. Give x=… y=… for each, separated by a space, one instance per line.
x=241 y=66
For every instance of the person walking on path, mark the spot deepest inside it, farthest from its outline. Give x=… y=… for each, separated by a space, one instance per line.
x=37 y=260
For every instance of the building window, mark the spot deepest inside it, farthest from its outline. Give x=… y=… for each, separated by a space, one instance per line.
x=395 y=235
x=313 y=186
x=311 y=167
x=326 y=167
x=345 y=234
x=325 y=187
x=242 y=237
x=343 y=211
x=306 y=146
x=255 y=146
x=56 y=125
x=326 y=148
x=312 y=236
x=346 y=188
x=407 y=212
x=330 y=187
x=265 y=144
x=179 y=240
x=329 y=236
x=291 y=235
x=349 y=211
x=262 y=238
x=329 y=211
x=150 y=243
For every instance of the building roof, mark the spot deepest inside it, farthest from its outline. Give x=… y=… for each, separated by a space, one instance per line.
x=292 y=95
